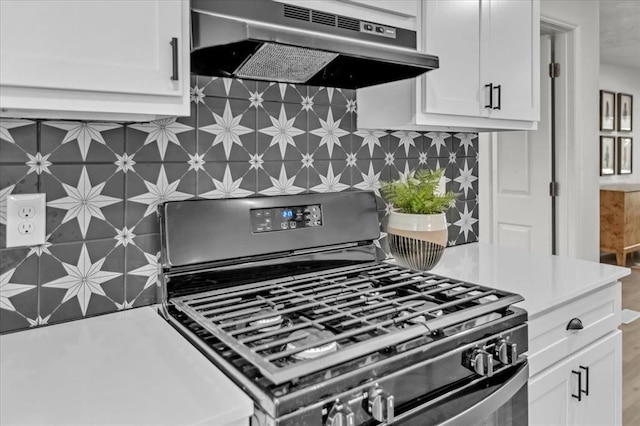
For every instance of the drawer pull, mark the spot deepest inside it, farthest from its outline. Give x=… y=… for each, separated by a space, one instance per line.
x=575 y=324
x=586 y=388
x=579 y=395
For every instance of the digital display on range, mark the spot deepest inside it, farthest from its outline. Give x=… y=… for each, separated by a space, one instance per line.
x=287 y=214
x=285 y=218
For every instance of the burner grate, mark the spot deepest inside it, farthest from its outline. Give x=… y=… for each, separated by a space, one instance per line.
x=361 y=309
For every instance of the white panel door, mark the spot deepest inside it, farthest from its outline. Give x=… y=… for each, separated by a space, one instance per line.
x=97 y=45
x=521 y=173
x=454 y=89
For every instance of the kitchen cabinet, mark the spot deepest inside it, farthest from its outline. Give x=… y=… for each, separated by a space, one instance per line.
x=98 y=59
x=589 y=358
x=488 y=78
x=594 y=373
x=620 y=220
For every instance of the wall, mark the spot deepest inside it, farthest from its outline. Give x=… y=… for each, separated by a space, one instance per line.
x=582 y=151
x=621 y=79
x=103 y=182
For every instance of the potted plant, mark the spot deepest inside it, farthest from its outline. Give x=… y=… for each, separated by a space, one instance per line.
x=417 y=225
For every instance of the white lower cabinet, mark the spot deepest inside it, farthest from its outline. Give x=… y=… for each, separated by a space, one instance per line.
x=582 y=389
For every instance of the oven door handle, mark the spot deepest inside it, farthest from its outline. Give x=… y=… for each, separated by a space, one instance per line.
x=480 y=410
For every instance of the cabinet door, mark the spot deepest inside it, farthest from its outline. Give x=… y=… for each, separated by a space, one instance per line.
x=599 y=366
x=510 y=57
x=603 y=405
x=98 y=46
x=455 y=87
x=550 y=396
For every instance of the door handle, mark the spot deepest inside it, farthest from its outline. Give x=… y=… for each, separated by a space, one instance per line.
x=579 y=395
x=174 y=58
x=586 y=388
x=499 y=89
x=490 y=87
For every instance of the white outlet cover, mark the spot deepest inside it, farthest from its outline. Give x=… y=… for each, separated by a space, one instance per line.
x=35 y=202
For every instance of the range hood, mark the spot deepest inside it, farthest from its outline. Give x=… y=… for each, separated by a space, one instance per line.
x=268 y=40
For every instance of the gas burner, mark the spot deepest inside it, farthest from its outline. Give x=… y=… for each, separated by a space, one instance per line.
x=411 y=308
x=312 y=335
x=276 y=322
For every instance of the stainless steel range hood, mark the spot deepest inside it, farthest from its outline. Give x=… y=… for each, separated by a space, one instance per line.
x=267 y=40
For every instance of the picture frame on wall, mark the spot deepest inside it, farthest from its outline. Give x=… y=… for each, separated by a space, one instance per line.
x=625 y=112
x=625 y=155
x=607 y=155
x=607 y=110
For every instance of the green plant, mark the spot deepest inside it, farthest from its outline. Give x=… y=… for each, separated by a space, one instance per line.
x=417 y=194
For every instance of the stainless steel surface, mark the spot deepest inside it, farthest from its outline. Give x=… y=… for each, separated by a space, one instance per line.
x=318 y=332
x=192 y=231
x=340 y=415
x=363 y=317
x=226 y=34
x=381 y=405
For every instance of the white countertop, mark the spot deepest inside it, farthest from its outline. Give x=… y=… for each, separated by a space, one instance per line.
x=129 y=368
x=544 y=281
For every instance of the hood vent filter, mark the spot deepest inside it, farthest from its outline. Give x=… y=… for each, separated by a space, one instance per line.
x=280 y=62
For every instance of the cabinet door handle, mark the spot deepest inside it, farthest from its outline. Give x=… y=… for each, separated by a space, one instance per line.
x=174 y=52
x=586 y=387
x=575 y=324
x=579 y=395
x=490 y=87
x=499 y=89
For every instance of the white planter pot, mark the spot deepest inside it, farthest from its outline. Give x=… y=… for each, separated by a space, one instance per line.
x=417 y=240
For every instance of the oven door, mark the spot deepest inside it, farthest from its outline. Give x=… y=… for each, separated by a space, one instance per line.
x=500 y=400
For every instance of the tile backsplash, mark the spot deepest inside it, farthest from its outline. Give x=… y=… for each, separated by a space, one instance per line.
x=103 y=182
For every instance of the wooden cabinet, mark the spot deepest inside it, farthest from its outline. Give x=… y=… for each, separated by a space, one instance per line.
x=620 y=220
x=594 y=374
x=488 y=77
x=101 y=59
x=589 y=358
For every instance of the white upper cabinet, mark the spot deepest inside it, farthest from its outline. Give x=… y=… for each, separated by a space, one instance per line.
x=488 y=77
x=119 y=60
x=510 y=54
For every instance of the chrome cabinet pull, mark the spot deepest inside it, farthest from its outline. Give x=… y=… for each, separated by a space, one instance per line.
x=575 y=324
x=490 y=87
x=586 y=388
x=174 y=52
x=579 y=395
x=499 y=89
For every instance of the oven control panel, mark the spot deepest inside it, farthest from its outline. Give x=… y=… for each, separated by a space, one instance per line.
x=285 y=218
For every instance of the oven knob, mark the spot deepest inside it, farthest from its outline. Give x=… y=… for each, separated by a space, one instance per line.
x=479 y=361
x=506 y=352
x=340 y=415
x=380 y=405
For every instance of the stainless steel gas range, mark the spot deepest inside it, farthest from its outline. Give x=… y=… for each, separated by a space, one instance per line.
x=285 y=295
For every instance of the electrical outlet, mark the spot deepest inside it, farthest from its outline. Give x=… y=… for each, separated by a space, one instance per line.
x=26 y=219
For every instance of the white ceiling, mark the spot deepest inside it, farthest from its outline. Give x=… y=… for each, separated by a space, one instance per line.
x=620 y=32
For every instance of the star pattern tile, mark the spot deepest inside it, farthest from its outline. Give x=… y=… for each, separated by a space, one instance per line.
x=162 y=132
x=83 y=280
x=83 y=202
x=158 y=192
x=83 y=132
x=227 y=129
x=257 y=138
x=9 y=289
